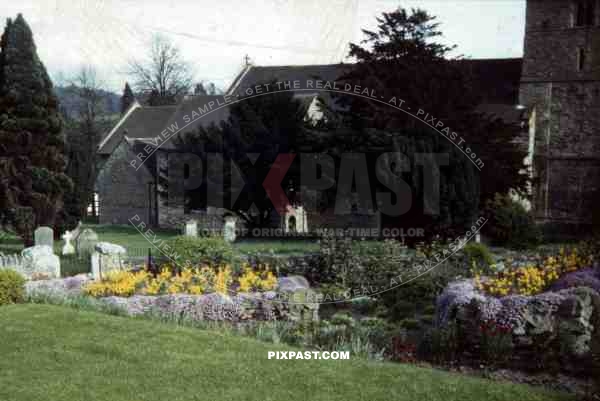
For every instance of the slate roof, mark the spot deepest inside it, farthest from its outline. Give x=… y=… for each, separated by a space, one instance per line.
x=496 y=80
x=214 y=115
x=142 y=122
x=254 y=75
x=145 y=123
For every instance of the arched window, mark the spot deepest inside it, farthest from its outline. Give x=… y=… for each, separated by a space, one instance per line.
x=292 y=224
x=580 y=59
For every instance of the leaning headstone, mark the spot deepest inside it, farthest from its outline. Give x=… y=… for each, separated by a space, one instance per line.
x=191 y=228
x=106 y=258
x=86 y=242
x=40 y=262
x=68 y=248
x=76 y=231
x=44 y=236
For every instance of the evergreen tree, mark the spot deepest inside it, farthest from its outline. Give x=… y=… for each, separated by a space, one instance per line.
x=127 y=99
x=402 y=58
x=266 y=126
x=32 y=179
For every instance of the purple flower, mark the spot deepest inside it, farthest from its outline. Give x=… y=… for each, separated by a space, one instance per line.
x=582 y=278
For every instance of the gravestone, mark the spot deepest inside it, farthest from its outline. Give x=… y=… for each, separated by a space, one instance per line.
x=40 y=262
x=44 y=236
x=76 y=231
x=229 y=233
x=86 y=241
x=191 y=228
x=106 y=258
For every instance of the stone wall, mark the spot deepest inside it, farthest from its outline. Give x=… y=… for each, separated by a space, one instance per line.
x=123 y=192
x=565 y=100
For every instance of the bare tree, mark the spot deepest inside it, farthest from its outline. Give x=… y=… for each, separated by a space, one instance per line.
x=207 y=88
x=164 y=73
x=83 y=132
x=89 y=90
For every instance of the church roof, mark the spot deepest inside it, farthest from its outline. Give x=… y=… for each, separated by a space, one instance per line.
x=496 y=80
x=137 y=122
x=145 y=123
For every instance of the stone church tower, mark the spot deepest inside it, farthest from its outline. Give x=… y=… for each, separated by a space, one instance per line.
x=560 y=86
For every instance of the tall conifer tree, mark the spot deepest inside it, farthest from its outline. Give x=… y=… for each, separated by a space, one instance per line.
x=127 y=99
x=32 y=179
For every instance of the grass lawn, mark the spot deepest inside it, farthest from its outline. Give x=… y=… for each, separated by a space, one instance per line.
x=280 y=247
x=56 y=353
x=138 y=245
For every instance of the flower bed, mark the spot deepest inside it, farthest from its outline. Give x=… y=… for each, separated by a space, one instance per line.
x=189 y=280
x=533 y=278
x=552 y=330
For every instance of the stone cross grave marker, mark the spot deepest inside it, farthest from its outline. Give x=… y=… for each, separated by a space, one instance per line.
x=68 y=248
x=44 y=236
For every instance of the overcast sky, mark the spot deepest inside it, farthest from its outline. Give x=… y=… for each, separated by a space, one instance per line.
x=215 y=35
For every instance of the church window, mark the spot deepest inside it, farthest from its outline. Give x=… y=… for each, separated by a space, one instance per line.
x=580 y=59
x=585 y=13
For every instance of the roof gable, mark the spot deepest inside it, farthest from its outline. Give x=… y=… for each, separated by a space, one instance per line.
x=138 y=122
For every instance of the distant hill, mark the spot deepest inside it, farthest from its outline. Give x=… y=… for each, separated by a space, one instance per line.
x=69 y=101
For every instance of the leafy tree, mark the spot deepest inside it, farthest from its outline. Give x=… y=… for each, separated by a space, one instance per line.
x=32 y=163
x=127 y=99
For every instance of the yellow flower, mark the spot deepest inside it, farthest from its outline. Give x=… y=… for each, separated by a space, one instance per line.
x=223 y=280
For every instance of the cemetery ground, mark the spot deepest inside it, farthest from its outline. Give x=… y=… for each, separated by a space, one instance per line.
x=131 y=238
x=57 y=353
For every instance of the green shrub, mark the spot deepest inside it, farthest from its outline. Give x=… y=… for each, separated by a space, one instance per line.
x=11 y=287
x=364 y=305
x=427 y=319
x=201 y=250
x=429 y=309
x=359 y=264
x=398 y=308
x=410 y=324
x=509 y=224
x=479 y=255
x=379 y=261
x=440 y=344
x=337 y=260
x=342 y=319
x=415 y=296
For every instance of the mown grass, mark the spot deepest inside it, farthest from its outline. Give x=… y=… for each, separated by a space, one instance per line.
x=57 y=353
x=136 y=243
x=280 y=247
